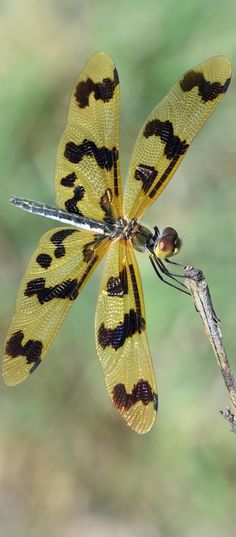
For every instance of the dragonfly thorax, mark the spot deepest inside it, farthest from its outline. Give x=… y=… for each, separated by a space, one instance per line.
x=128 y=228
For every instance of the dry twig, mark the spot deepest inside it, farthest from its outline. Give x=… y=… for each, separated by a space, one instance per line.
x=199 y=290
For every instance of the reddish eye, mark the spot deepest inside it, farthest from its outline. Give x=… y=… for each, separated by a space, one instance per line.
x=168 y=244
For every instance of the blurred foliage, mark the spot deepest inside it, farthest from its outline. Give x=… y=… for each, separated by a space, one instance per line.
x=68 y=464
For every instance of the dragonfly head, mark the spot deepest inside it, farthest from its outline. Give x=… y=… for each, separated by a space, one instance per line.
x=166 y=243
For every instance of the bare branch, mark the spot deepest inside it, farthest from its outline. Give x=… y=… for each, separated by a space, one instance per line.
x=199 y=290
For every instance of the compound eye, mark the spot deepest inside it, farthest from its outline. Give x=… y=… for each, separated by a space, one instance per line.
x=168 y=243
x=177 y=244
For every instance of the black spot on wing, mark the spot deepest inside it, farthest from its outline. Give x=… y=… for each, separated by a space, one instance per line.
x=69 y=180
x=164 y=129
x=44 y=260
x=32 y=349
x=104 y=157
x=116 y=185
x=66 y=289
x=208 y=91
x=87 y=271
x=118 y=286
x=58 y=238
x=115 y=337
x=103 y=90
x=36 y=364
x=116 y=76
x=106 y=205
x=71 y=203
x=88 y=251
x=135 y=291
x=90 y=247
x=141 y=391
x=164 y=176
x=147 y=174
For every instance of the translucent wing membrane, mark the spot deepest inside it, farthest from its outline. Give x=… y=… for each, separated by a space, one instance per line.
x=87 y=179
x=56 y=273
x=121 y=339
x=170 y=129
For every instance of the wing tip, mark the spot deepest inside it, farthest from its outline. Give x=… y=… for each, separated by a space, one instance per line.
x=100 y=55
x=223 y=62
x=9 y=379
x=142 y=422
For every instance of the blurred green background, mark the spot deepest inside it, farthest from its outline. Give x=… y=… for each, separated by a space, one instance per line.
x=69 y=466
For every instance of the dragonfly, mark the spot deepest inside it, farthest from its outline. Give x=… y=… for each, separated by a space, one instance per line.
x=97 y=218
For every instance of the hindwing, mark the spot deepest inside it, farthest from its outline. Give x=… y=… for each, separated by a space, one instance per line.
x=58 y=269
x=121 y=339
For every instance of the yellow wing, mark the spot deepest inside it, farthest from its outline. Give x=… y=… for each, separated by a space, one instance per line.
x=87 y=178
x=169 y=130
x=121 y=339
x=57 y=271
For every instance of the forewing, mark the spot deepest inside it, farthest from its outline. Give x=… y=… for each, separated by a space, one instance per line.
x=121 y=339
x=87 y=179
x=56 y=273
x=170 y=129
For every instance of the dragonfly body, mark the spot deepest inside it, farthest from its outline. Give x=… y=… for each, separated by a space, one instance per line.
x=142 y=238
